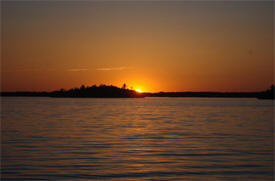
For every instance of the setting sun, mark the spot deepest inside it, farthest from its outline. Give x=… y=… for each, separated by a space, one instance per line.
x=128 y=85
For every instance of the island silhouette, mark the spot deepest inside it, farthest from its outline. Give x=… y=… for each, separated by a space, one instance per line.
x=110 y=91
x=94 y=91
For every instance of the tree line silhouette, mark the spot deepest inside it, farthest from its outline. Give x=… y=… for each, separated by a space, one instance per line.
x=110 y=91
x=98 y=91
x=101 y=91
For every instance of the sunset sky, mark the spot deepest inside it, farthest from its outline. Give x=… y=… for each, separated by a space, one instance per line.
x=152 y=46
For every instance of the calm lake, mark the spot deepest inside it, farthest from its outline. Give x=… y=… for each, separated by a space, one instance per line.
x=136 y=139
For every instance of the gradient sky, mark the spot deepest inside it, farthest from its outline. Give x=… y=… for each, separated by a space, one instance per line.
x=152 y=46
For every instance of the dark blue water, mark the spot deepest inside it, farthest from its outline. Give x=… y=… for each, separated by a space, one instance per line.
x=137 y=139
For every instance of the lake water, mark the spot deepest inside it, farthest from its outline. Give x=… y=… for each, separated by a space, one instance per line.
x=136 y=139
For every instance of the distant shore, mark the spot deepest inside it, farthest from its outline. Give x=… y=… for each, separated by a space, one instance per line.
x=104 y=91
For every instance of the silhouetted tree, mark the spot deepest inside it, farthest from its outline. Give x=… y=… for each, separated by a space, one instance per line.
x=82 y=87
x=272 y=88
x=124 y=86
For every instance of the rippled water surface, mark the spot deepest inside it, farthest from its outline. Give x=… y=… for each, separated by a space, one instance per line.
x=137 y=139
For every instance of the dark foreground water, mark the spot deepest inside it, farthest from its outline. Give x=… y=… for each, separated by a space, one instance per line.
x=137 y=139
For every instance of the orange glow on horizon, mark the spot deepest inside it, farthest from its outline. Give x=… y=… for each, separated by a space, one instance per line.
x=138 y=90
x=84 y=46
